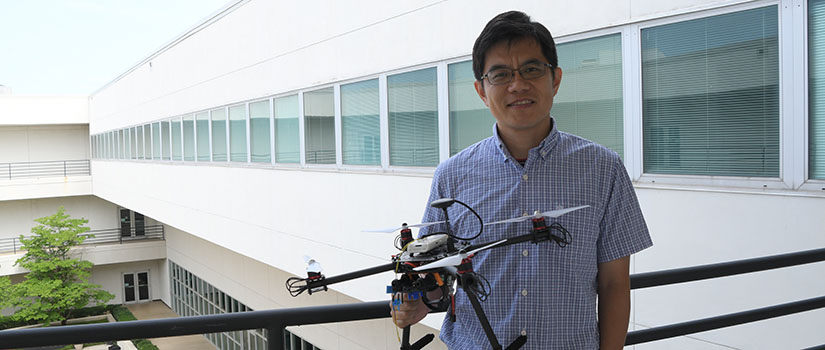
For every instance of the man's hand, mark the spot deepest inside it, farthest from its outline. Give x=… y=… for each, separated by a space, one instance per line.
x=409 y=312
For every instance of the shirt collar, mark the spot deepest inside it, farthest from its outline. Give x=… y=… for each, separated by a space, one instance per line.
x=543 y=149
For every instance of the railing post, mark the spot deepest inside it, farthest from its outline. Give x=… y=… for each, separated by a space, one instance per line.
x=9 y=171
x=64 y=168
x=275 y=337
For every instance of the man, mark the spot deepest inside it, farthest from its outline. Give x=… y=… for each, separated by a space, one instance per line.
x=544 y=291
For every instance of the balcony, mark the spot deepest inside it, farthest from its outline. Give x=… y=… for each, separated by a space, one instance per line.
x=46 y=179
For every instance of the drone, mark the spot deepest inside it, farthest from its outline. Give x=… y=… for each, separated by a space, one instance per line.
x=440 y=261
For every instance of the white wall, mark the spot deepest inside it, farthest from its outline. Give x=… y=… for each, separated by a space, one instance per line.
x=110 y=277
x=17 y=217
x=43 y=110
x=43 y=143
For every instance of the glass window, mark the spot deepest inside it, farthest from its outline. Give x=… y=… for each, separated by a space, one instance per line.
x=164 y=136
x=816 y=90
x=259 y=131
x=147 y=141
x=202 y=130
x=218 y=134
x=589 y=103
x=237 y=133
x=711 y=96
x=319 y=126
x=121 y=144
x=470 y=120
x=133 y=144
x=156 y=140
x=286 y=130
x=360 y=128
x=176 y=139
x=188 y=138
x=139 y=138
x=413 y=118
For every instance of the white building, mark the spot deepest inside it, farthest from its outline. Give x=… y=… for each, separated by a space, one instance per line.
x=276 y=130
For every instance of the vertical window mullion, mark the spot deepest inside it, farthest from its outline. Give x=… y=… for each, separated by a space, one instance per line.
x=632 y=95
x=383 y=120
x=443 y=114
x=336 y=102
x=301 y=130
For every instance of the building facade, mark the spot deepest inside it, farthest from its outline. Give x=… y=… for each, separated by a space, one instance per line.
x=273 y=131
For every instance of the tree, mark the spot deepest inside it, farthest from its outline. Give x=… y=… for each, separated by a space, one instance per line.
x=57 y=283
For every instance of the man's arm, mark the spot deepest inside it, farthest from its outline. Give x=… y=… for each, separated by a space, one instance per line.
x=614 y=302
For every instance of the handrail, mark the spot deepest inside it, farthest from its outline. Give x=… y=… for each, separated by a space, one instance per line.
x=111 y=235
x=51 y=168
x=275 y=320
x=695 y=273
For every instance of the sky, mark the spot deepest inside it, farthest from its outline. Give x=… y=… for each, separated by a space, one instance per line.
x=75 y=47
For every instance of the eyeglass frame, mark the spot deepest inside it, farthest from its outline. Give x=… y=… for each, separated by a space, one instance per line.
x=513 y=70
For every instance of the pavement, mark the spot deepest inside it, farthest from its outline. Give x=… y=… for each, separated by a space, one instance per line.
x=158 y=309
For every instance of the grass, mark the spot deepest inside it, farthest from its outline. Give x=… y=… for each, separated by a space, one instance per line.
x=121 y=313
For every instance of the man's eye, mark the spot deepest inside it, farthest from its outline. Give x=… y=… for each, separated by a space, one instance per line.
x=531 y=69
x=499 y=74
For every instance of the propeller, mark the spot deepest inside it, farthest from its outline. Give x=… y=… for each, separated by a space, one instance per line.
x=403 y=226
x=550 y=214
x=455 y=260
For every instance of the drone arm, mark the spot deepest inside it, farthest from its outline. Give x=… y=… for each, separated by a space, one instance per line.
x=312 y=284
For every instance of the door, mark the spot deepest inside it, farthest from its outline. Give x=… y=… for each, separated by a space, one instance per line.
x=125 y=223
x=140 y=225
x=135 y=287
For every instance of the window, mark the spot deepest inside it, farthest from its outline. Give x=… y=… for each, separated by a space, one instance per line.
x=156 y=140
x=319 y=126
x=202 y=130
x=816 y=90
x=470 y=120
x=413 y=118
x=589 y=104
x=259 y=132
x=121 y=141
x=360 y=127
x=165 y=143
x=147 y=141
x=710 y=96
x=140 y=141
x=237 y=133
x=133 y=144
x=218 y=134
x=176 y=139
x=188 y=138
x=286 y=130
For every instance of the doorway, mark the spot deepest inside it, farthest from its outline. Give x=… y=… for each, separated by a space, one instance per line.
x=136 y=287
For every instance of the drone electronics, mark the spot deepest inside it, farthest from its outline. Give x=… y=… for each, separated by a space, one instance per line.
x=439 y=261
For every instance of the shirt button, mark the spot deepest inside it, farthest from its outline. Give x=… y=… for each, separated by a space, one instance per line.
x=525 y=252
x=525 y=214
x=523 y=332
x=524 y=177
x=524 y=292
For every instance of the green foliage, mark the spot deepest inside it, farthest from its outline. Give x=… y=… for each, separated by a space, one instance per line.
x=57 y=283
x=121 y=313
x=143 y=344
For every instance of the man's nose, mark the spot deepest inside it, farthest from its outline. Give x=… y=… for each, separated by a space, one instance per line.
x=518 y=84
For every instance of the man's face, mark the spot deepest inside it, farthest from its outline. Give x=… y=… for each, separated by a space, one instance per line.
x=519 y=105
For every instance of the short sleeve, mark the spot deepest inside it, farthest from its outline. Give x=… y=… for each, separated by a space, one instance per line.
x=623 y=230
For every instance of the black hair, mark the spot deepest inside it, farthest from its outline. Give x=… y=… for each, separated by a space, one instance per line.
x=508 y=27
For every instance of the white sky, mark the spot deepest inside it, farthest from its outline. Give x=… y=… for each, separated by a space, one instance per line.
x=57 y=47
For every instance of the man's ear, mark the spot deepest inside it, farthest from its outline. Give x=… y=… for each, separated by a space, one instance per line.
x=479 y=85
x=556 y=80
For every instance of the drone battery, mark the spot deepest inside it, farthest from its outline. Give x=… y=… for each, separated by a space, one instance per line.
x=427 y=243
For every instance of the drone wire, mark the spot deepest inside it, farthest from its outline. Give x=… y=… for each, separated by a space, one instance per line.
x=480 y=221
x=565 y=239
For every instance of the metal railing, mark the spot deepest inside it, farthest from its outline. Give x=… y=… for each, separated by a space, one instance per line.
x=275 y=321
x=53 y=168
x=111 y=235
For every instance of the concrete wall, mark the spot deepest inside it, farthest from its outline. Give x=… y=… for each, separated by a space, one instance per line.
x=36 y=143
x=17 y=217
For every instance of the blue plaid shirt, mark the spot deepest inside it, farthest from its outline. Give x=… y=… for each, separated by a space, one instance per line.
x=542 y=290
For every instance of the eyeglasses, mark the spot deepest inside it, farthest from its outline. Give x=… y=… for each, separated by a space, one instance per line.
x=504 y=75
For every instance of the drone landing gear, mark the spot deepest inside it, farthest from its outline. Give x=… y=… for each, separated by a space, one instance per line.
x=405 y=340
x=469 y=283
